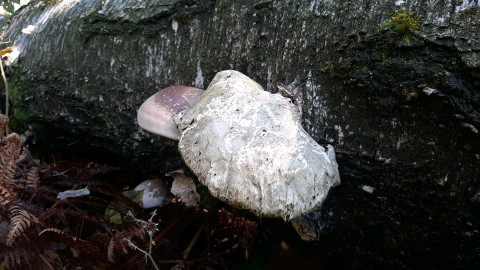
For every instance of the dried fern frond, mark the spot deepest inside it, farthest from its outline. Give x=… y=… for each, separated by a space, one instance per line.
x=33 y=253
x=9 y=152
x=6 y=195
x=18 y=257
x=233 y=232
x=117 y=242
x=81 y=249
x=136 y=228
x=33 y=179
x=20 y=221
x=58 y=231
x=3 y=126
x=147 y=226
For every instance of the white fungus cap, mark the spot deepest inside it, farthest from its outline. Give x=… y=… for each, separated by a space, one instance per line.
x=249 y=148
x=184 y=188
x=156 y=113
x=155 y=193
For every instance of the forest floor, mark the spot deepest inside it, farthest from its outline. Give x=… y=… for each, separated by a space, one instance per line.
x=41 y=231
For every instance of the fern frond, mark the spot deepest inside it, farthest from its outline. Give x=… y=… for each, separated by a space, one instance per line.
x=117 y=242
x=80 y=248
x=20 y=221
x=33 y=179
x=112 y=248
x=58 y=231
x=3 y=126
x=120 y=241
x=6 y=195
x=33 y=253
x=9 y=151
x=18 y=257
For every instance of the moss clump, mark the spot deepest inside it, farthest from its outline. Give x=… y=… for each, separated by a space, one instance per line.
x=20 y=116
x=21 y=112
x=403 y=22
x=469 y=12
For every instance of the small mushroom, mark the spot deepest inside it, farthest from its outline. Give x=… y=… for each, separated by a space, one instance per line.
x=153 y=192
x=184 y=188
x=148 y=194
x=156 y=113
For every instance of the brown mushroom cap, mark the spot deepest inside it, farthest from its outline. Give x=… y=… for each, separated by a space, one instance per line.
x=156 y=113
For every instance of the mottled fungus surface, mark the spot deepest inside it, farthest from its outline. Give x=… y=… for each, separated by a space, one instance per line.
x=155 y=114
x=249 y=148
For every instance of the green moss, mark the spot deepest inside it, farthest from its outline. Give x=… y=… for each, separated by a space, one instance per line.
x=416 y=62
x=20 y=113
x=20 y=116
x=16 y=85
x=328 y=66
x=467 y=147
x=14 y=95
x=469 y=12
x=403 y=22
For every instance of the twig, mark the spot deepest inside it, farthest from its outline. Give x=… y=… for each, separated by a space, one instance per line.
x=44 y=214
x=150 y=234
x=6 y=86
x=160 y=235
x=47 y=263
x=147 y=254
x=194 y=240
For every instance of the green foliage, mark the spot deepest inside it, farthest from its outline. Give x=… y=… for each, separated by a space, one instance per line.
x=403 y=22
x=20 y=116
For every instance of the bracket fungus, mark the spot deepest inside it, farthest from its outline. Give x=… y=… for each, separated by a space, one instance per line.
x=249 y=148
x=155 y=114
x=245 y=144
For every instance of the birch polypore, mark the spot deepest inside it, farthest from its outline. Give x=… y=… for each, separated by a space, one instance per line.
x=249 y=148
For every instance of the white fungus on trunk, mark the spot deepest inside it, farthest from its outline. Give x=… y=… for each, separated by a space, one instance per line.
x=249 y=148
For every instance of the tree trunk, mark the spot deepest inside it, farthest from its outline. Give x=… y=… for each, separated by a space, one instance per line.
x=402 y=109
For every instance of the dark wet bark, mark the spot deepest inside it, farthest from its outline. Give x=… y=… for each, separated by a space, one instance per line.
x=402 y=113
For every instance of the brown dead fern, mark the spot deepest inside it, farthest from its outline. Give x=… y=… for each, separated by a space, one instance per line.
x=12 y=181
x=9 y=151
x=37 y=219
x=6 y=195
x=3 y=126
x=20 y=221
x=123 y=239
x=33 y=179
x=33 y=253
x=233 y=233
x=16 y=257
